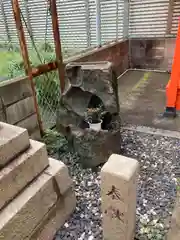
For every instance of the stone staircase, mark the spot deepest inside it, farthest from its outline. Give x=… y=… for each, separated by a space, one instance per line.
x=36 y=192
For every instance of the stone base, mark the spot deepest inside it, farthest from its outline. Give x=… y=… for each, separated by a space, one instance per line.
x=13 y=140
x=94 y=148
x=174 y=233
x=36 y=192
x=22 y=170
x=118 y=193
x=26 y=212
x=55 y=218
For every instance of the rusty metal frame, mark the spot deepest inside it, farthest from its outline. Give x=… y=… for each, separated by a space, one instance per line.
x=44 y=68
x=24 y=52
x=57 y=43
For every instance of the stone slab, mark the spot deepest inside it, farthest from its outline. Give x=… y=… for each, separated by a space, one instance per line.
x=176 y=212
x=26 y=211
x=118 y=191
x=56 y=217
x=174 y=232
x=20 y=89
x=30 y=123
x=35 y=135
x=62 y=177
x=2 y=116
x=13 y=140
x=22 y=170
x=20 y=110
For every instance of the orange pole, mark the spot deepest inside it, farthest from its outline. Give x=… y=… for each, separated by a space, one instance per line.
x=172 y=86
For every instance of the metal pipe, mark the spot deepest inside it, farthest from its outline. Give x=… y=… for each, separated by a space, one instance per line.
x=148 y=70
x=98 y=23
x=44 y=68
x=5 y=21
x=57 y=42
x=24 y=52
x=86 y=2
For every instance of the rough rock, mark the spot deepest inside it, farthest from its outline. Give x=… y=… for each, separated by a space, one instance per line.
x=94 y=148
x=90 y=85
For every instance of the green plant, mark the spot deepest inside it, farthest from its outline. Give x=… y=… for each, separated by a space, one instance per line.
x=94 y=115
x=55 y=142
x=48 y=90
x=47 y=85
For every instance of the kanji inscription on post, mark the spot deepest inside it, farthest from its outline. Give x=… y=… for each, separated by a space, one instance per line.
x=115 y=194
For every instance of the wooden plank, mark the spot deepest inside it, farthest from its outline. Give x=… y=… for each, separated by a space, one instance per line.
x=30 y=123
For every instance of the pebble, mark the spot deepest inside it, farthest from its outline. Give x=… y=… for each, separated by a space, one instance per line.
x=159 y=169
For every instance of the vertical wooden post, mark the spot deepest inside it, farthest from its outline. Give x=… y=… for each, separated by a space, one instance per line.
x=24 y=52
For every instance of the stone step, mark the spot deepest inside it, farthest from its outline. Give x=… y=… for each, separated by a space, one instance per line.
x=62 y=177
x=56 y=217
x=22 y=170
x=13 y=140
x=21 y=216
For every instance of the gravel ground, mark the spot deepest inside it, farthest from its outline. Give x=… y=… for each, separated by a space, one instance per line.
x=159 y=169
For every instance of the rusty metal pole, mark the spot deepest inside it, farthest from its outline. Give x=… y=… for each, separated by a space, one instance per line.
x=24 y=52
x=57 y=42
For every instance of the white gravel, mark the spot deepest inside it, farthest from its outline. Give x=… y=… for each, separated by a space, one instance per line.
x=159 y=168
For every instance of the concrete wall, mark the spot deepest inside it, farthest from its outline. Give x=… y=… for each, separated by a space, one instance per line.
x=135 y=53
x=117 y=53
x=152 y=53
x=17 y=105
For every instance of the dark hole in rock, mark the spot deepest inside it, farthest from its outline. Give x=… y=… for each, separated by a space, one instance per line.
x=95 y=102
x=84 y=125
x=75 y=71
x=106 y=124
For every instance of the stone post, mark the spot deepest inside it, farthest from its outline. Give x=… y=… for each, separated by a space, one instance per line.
x=118 y=191
x=174 y=232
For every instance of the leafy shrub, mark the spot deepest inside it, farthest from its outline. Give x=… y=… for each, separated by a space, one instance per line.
x=56 y=143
